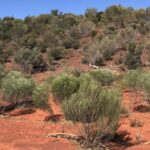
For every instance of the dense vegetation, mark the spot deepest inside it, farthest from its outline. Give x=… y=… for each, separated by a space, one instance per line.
x=35 y=42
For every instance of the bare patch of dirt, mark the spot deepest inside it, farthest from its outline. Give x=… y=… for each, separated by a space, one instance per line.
x=137 y=136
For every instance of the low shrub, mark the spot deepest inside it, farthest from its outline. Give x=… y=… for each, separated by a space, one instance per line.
x=56 y=53
x=98 y=60
x=103 y=76
x=64 y=86
x=40 y=97
x=139 y=81
x=17 y=88
x=30 y=60
x=131 y=79
x=144 y=83
x=71 y=43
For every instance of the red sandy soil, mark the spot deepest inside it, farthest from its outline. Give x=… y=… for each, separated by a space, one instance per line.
x=28 y=132
x=135 y=138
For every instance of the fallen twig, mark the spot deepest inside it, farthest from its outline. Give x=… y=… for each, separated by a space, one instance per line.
x=65 y=135
x=73 y=137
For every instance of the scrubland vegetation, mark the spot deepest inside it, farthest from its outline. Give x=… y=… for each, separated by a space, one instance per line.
x=35 y=42
x=91 y=100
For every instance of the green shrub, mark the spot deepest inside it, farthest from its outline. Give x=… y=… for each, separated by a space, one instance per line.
x=96 y=109
x=30 y=60
x=90 y=103
x=56 y=53
x=85 y=27
x=131 y=79
x=40 y=96
x=99 y=51
x=138 y=80
x=2 y=73
x=98 y=60
x=103 y=76
x=132 y=58
x=17 y=88
x=71 y=43
x=64 y=86
x=144 y=82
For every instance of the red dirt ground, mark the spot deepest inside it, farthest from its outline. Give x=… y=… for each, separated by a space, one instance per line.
x=137 y=138
x=28 y=132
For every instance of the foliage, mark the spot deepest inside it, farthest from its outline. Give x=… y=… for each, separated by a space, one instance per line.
x=2 y=73
x=110 y=30
x=17 y=88
x=131 y=79
x=101 y=50
x=144 y=82
x=85 y=27
x=56 y=53
x=133 y=57
x=103 y=76
x=30 y=60
x=64 y=86
x=96 y=108
x=71 y=43
x=40 y=96
x=138 y=80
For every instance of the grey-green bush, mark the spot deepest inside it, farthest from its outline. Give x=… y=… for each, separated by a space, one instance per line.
x=64 y=86
x=91 y=102
x=17 y=88
x=131 y=79
x=103 y=76
x=96 y=109
x=40 y=97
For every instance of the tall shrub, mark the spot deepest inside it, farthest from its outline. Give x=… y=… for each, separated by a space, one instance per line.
x=96 y=109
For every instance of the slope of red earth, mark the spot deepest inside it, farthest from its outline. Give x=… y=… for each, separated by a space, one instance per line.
x=73 y=61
